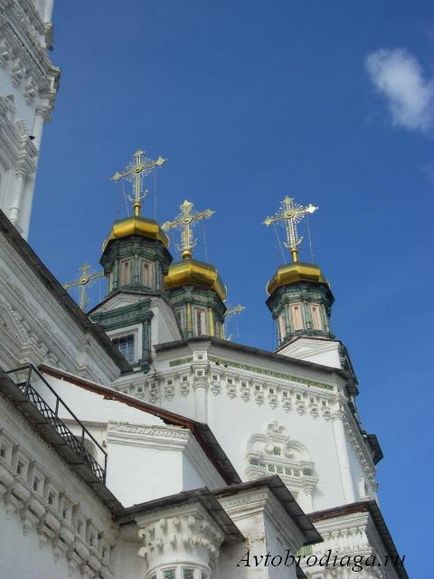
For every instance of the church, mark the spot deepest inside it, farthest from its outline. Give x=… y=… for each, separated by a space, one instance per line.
x=136 y=440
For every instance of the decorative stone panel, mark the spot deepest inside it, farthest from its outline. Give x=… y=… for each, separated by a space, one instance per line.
x=186 y=534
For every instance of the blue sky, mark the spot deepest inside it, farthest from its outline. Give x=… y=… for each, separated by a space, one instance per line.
x=329 y=102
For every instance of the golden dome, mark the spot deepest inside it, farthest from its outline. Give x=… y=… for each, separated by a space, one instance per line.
x=294 y=273
x=137 y=226
x=197 y=273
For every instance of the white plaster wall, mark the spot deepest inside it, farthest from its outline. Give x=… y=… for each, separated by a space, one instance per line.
x=29 y=81
x=138 y=474
x=358 y=476
x=25 y=111
x=275 y=545
x=128 y=564
x=24 y=550
x=193 y=479
x=317 y=351
x=146 y=458
x=253 y=513
x=43 y=329
x=91 y=407
x=164 y=327
x=234 y=421
x=23 y=557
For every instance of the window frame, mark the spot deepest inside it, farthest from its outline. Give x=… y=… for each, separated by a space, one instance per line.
x=136 y=331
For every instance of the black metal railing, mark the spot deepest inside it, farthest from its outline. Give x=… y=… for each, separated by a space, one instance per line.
x=55 y=412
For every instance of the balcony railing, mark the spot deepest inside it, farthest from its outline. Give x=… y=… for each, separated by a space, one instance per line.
x=55 y=412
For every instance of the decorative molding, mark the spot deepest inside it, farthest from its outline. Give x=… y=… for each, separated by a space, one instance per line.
x=31 y=493
x=181 y=361
x=246 y=507
x=349 y=536
x=23 y=52
x=63 y=345
x=180 y=381
x=186 y=534
x=360 y=448
x=266 y=372
x=163 y=438
x=275 y=453
x=17 y=150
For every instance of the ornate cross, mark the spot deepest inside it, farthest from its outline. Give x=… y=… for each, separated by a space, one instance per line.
x=86 y=277
x=185 y=221
x=291 y=213
x=230 y=312
x=138 y=168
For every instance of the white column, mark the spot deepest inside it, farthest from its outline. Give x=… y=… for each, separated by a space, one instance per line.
x=201 y=401
x=307 y=500
x=343 y=456
x=48 y=11
x=27 y=195
x=189 y=538
x=16 y=198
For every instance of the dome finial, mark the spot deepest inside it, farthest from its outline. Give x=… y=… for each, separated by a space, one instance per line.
x=291 y=213
x=185 y=221
x=138 y=168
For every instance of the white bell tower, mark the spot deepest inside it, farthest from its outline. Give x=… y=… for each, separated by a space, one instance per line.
x=28 y=86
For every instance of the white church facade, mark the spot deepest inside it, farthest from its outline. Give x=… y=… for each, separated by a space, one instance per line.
x=135 y=440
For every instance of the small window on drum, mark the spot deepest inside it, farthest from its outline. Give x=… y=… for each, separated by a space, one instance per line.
x=126 y=346
x=125 y=272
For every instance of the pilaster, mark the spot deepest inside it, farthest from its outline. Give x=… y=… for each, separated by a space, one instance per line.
x=342 y=455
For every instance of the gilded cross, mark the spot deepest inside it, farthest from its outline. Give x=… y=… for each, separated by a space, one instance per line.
x=138 y=168
x=230 y=312
x=185 y=221
x=86 y=277
x=291 y=213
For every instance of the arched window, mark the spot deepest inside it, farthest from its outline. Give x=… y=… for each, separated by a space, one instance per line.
x=200 y=320
x=125 y=272
x=282 y=330
x=296 y=317
x=316 y=317
x=146 y=274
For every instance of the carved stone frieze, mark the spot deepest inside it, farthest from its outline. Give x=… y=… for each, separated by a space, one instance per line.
x=189 y=535
x=30 y=493
x=24 y=53
x=273 y=452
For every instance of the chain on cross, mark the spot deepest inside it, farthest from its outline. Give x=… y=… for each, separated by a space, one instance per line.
x=137 y=169
x=185 y=222
x=291 y=213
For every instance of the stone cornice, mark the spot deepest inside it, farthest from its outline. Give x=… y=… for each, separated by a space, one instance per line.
x=159 y=437
x=349 y=536
x=31 y=289
x=251 y=503
x=360 y=447
x=184 y=533
x=164 y=438
x=23 y=51
x=261 y=391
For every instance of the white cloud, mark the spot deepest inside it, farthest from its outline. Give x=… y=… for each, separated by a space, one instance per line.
x=398 y=76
